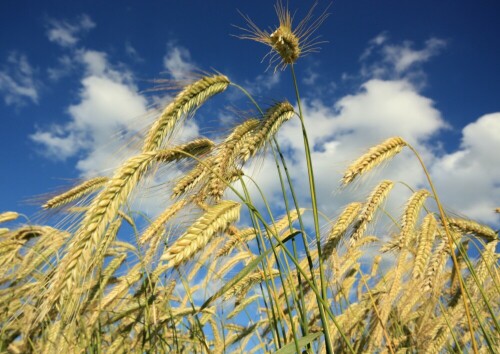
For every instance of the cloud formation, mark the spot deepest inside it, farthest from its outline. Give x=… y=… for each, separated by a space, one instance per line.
x=66 y=33
x=18 y=84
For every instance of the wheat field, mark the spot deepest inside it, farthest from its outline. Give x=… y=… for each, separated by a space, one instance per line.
x=196 y=279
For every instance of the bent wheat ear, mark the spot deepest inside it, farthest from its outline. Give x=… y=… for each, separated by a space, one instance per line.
x=227 y=156
x=274 y=117
x=472 y=227
x=376 y=198
x=373 y=157
x=425 y=243
x=339 y=228
x=217 y=218
x=74 y=193
x=157 y=225
x=410 y=216
x=8 y=216
x=189 y=99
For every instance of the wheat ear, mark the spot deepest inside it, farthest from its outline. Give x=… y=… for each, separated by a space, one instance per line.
x=75 y=193
x=227 y=156
x=373 y=157
x=410 y=217
x=157 y=225
x=187 y=100
x=425 y=242
x=377 y=196
x=217 y=218
x=8 y=216
x=472 y=227
x=274 y=117
x=340 y=227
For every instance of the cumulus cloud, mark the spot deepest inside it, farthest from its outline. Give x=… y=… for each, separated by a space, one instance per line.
x=107 y=102
x=66 y=33
x=18 y=83
x=467 y=180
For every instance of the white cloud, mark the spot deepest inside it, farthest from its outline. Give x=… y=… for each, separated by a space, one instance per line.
x=17 y=81
x=178 y=62
x=469 y=178
x=66 y=33
x=385 y=60
x=108 y=103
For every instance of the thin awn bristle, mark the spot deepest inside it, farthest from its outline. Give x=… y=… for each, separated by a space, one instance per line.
x=373 y=157
x=216 y=219
x=77 y=192
x=189 y=99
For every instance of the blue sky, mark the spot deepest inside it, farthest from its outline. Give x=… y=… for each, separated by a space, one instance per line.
x=72 y=75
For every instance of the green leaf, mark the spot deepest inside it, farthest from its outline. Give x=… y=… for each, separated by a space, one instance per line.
x=302 y=342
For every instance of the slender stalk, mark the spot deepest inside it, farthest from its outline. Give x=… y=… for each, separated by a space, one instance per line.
x=314 y=203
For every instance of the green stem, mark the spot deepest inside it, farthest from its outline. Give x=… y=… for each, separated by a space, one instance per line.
x=314 y=203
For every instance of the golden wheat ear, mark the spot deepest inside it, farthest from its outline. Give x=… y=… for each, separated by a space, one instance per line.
x=8 y=216
x=217 y=218
x=373 y=157
x=76 y=192
x=184 y=103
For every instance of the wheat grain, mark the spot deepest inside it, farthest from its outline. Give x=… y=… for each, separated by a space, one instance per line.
x=373 y=157
x=227 y=156
x=90 y=237
x=339 y=228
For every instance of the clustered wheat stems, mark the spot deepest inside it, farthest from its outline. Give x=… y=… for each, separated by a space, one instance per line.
x=194 y=279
